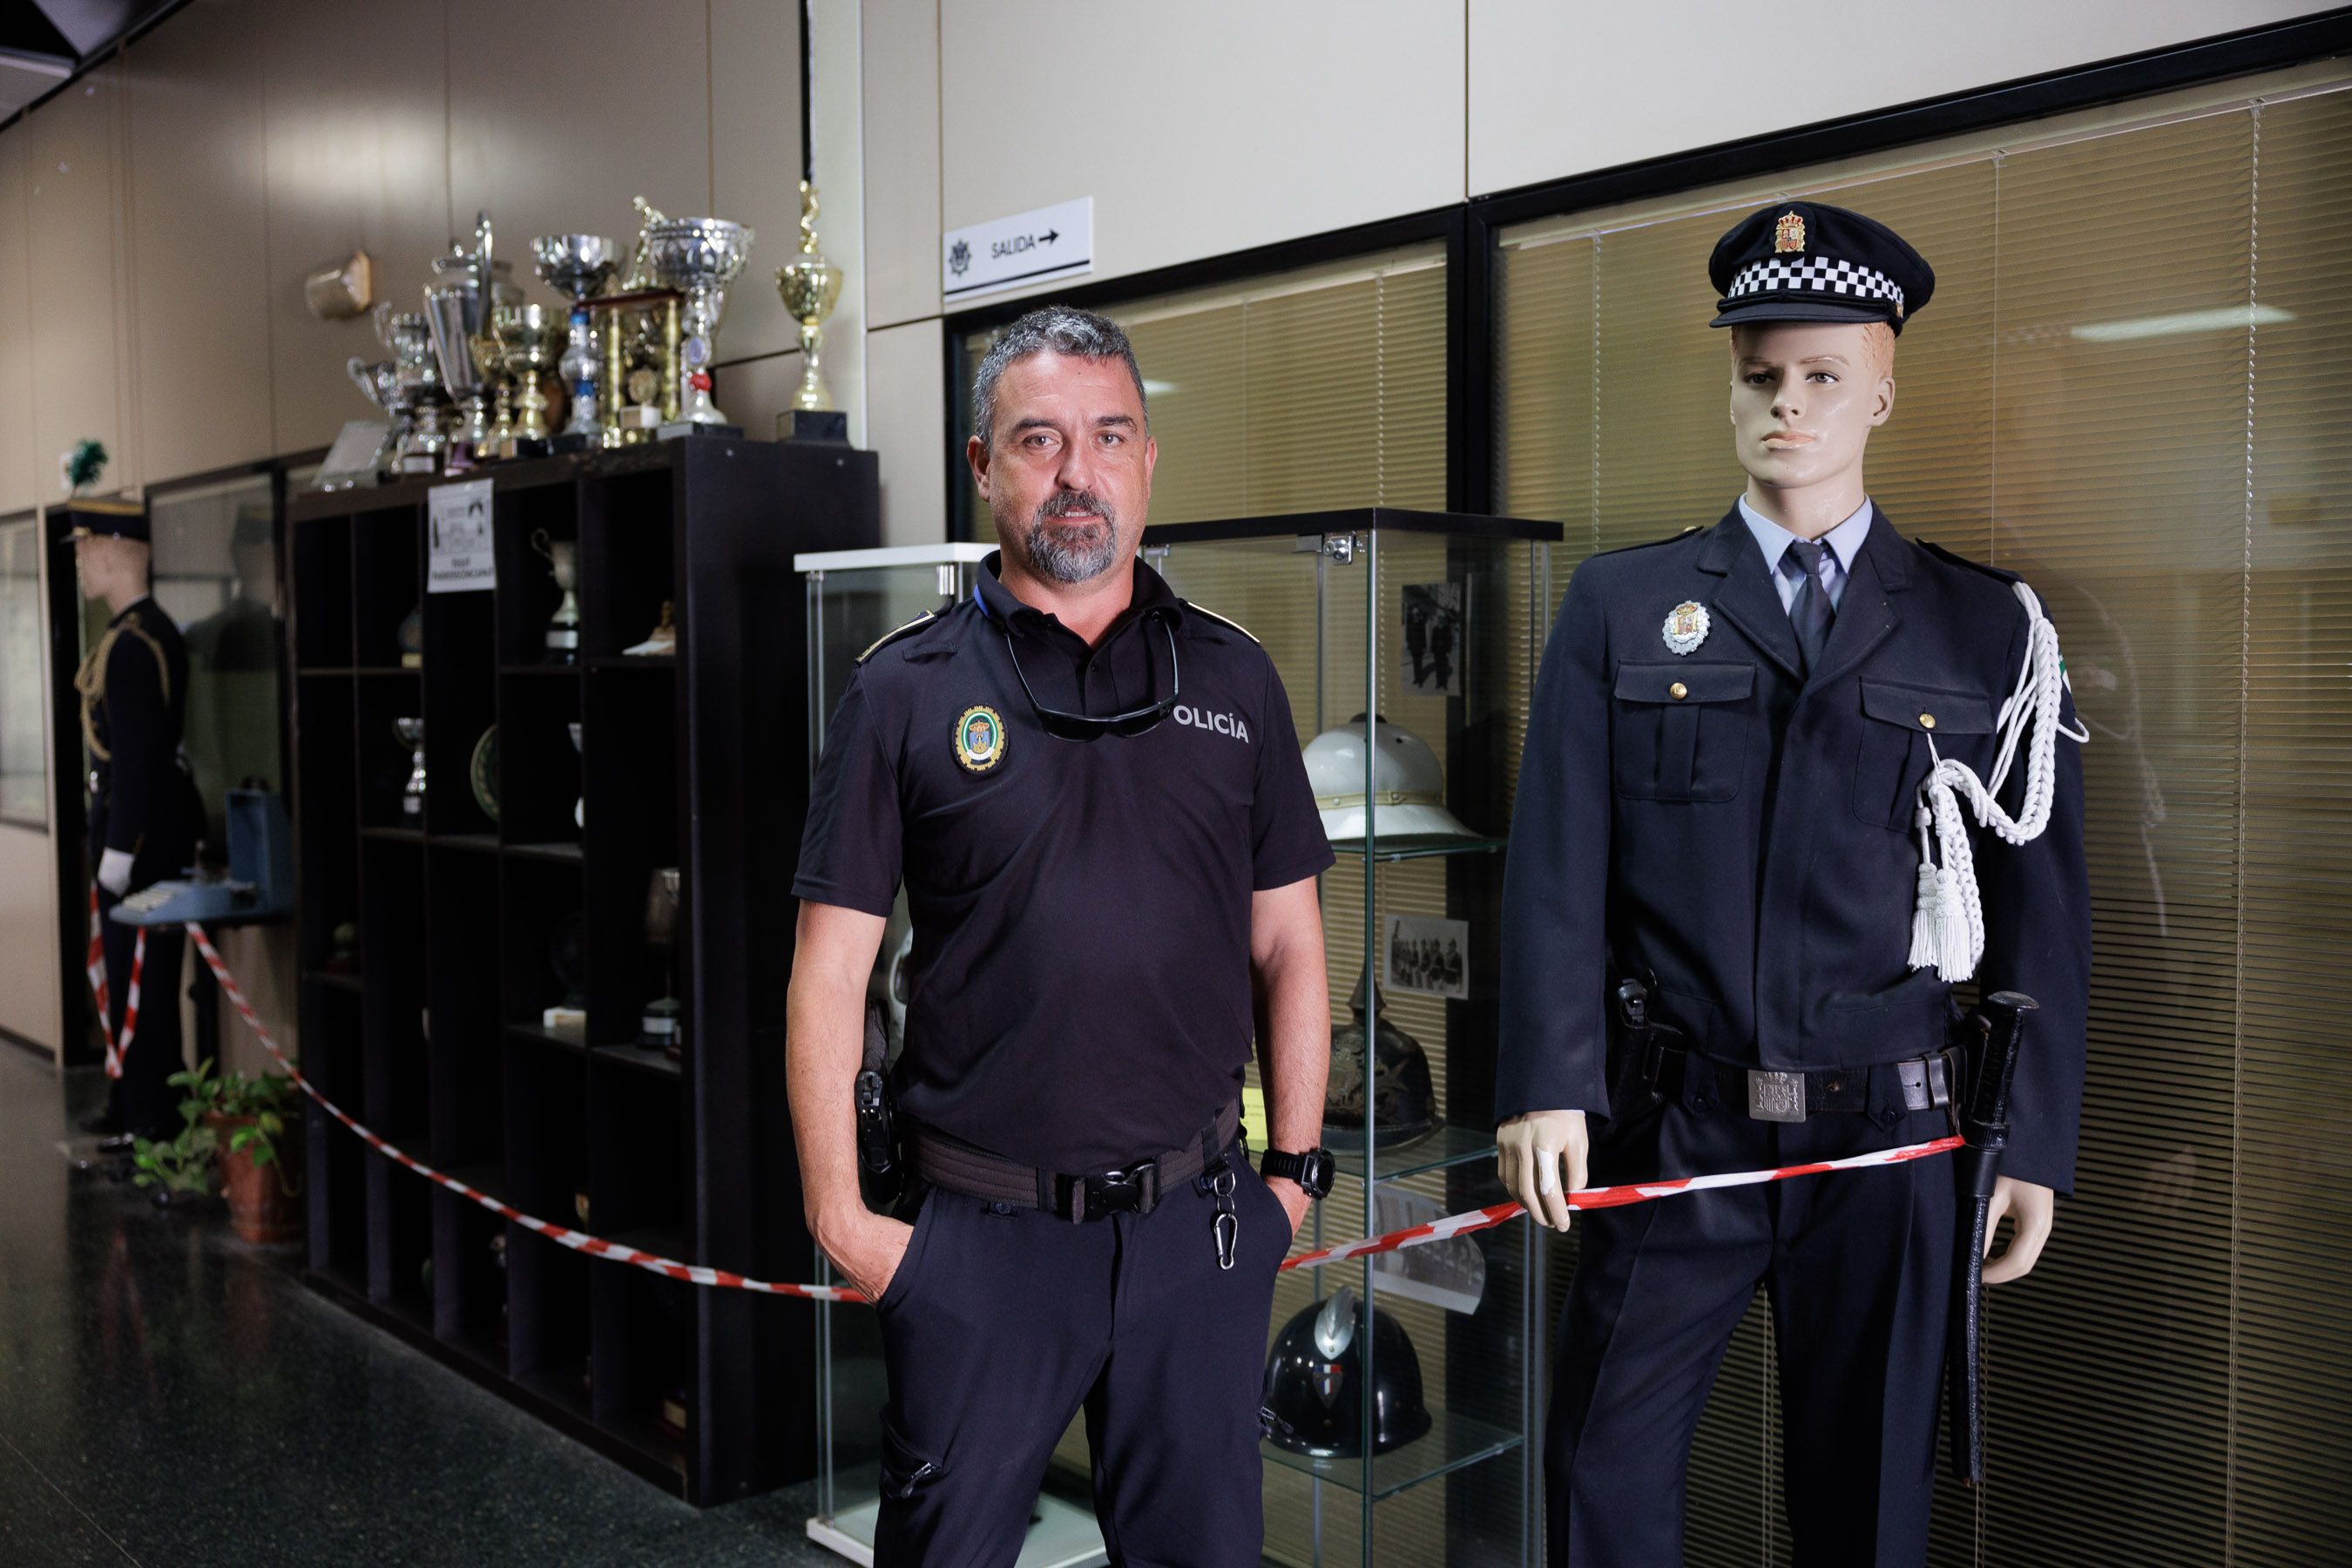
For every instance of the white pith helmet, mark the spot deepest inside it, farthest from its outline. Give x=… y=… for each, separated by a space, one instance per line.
x=1407 y=785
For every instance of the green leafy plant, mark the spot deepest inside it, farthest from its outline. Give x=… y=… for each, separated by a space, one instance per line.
x=257 y=1103
x=184 y=1163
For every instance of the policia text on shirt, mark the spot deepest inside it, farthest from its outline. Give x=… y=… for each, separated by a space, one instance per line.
x=1109 y=905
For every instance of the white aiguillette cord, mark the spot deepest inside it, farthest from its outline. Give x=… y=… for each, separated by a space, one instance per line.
x=1947 y=929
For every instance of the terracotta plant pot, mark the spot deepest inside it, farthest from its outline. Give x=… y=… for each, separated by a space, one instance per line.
x=259 y=1207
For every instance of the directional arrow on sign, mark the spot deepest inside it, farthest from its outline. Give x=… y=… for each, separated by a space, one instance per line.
x=1049 y=237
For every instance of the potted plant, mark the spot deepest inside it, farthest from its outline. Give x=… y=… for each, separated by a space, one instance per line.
x=246 y=1117
x=179 y=1168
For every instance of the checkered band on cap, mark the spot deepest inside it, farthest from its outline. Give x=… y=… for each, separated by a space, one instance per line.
x=1820 y=274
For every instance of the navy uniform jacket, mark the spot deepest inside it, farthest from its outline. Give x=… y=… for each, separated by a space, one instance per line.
x=134 y=702
x=1750 y=844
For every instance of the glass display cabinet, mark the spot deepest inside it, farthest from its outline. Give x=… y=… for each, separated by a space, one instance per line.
x=854 y=596
x=1408 y=644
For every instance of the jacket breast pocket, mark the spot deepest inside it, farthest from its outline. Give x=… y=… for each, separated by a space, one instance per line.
x=1892 y=759
x=1679 y=732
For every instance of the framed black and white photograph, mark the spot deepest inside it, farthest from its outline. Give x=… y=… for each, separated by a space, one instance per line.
x=1427 y=955
x=1430 y=652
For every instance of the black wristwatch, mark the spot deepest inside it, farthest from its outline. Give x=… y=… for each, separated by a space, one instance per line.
x=1312 y=1171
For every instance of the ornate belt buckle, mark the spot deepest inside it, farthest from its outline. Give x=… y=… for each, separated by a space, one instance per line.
x=1775 y=1096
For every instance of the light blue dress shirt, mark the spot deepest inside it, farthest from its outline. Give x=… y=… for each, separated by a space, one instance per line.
x=1844 y=541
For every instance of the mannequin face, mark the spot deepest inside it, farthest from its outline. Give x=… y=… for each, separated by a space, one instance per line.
x=107 y=567
x=1805 y=396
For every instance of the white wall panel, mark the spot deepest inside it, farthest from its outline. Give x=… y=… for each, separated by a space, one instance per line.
x=901 y=69
x=907 y=419
x=199 y=256
x=755 y=161
x=70 y=207
x=358 y=158
x=1561 y=89
x=1202 y=128
x=17 y=472
x=560 y=113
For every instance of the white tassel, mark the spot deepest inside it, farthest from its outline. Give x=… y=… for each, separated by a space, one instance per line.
x=1955 y=948
x=1923 y=914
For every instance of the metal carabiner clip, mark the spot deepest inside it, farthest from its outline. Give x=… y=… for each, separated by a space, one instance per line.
x=1227 y=1225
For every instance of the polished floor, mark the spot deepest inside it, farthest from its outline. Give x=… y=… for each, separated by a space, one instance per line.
x=169 y=1395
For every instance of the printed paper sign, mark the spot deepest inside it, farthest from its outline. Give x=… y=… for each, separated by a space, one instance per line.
x=1008 y=252
x=457 y=539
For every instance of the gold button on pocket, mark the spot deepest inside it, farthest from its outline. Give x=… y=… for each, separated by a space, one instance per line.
x=1678 y=691
x=1927 y=720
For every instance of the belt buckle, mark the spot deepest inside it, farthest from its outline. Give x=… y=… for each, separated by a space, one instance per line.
x=1775 y=1096
x=1120 y=1192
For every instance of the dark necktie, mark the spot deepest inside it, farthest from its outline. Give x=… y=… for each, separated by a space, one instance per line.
x=1810 y=612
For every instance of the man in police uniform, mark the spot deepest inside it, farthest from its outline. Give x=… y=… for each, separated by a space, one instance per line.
x=1718 y=938
x=143 y=815
x=1093 y=793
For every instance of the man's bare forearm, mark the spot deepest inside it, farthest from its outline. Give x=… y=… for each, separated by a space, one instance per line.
x=1294 y=1008
x=823 y=1050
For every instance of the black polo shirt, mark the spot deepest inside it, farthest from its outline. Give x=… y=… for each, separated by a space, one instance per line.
x=1080 y=993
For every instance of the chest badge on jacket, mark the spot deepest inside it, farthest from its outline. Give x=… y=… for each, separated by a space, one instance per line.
x=1687 y=625
x=980 y=739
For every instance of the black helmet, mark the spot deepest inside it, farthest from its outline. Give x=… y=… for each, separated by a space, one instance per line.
x=1404 y=1100
x=1315 y=1382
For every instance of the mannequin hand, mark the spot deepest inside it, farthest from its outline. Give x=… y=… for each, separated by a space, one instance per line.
x=114 y=871
x=1529 y=1154
x=2034 y=1209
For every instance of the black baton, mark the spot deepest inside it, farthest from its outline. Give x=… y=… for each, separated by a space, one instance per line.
x=1994 y=1031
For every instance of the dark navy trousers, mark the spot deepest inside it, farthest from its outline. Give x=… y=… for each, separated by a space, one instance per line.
x=1002 y=1323
x=1857 y=1264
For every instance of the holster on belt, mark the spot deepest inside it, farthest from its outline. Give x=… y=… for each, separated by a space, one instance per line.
x=881 y=1173
x=1990 y=1038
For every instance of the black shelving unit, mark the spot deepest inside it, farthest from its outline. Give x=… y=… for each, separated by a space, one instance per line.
x=435 y=1037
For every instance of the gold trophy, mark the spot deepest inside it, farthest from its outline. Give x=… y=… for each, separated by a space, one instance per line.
x=638 y=329
x=530 y=342
x=490 y=359
x=809 y=286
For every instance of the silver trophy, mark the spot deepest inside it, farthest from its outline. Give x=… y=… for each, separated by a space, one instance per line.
x=458 y=308
x=698 y=256
x=562 y=557
x=379 y=383
x=418 y=383
x=411 y=732
x=577 y=266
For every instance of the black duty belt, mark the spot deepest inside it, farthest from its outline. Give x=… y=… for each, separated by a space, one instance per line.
x=1796 y=1095
x=959 y=1167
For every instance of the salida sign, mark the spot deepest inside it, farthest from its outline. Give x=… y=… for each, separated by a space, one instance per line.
x=1027 y=247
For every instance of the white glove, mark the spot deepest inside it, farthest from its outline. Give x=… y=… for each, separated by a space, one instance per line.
x=114 y=871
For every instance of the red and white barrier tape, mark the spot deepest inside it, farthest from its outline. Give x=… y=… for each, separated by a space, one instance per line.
x=98 y=988
x=1443 y=1229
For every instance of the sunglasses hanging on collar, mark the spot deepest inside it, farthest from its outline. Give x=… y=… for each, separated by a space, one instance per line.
x=1135 y=722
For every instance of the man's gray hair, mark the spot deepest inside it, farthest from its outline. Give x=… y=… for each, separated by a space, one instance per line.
x=1049 y=329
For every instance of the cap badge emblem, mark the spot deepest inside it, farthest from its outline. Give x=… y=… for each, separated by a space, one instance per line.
x=1788 y=234
x=980 y=739
x=1686 y=625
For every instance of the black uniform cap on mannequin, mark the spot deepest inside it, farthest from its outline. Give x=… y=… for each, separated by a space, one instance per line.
x=1803 y=261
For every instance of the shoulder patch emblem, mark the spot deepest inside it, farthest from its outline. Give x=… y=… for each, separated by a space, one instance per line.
x=980 y=739
x=895 y=633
